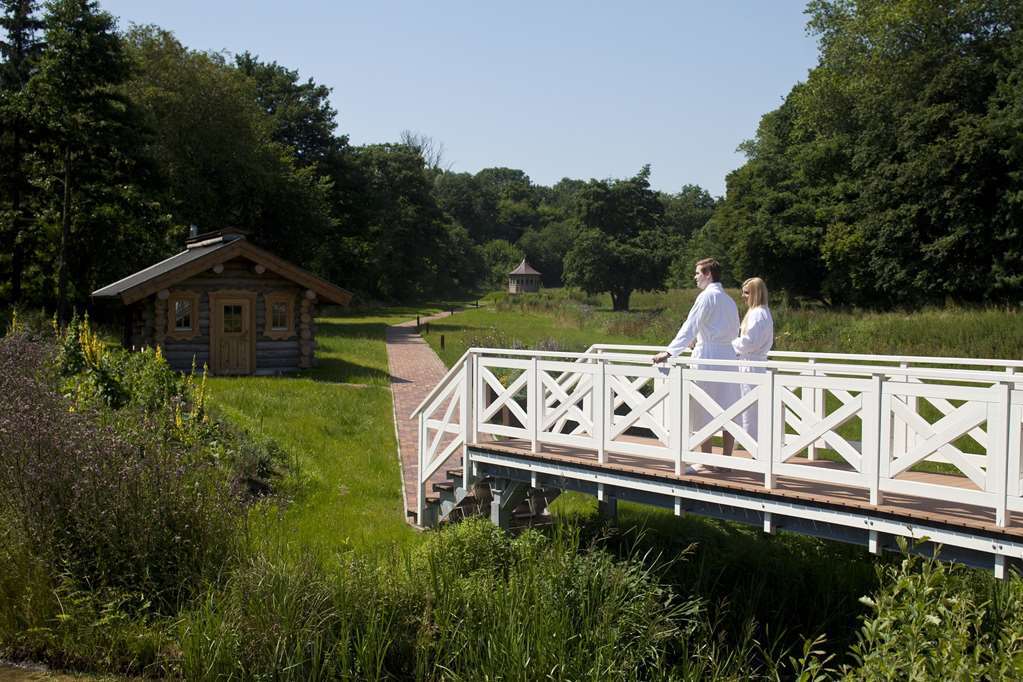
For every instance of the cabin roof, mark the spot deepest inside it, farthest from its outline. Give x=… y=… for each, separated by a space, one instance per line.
x=524 y=269
x=202 y=254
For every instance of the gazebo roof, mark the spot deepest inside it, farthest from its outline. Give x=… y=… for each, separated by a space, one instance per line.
x=524 y=269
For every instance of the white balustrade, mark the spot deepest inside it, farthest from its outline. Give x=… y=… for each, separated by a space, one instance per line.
x=881 y=421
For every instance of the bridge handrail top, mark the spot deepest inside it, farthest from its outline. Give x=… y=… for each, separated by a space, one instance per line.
x=441 y=385
x=922 y=359
x=799 y=367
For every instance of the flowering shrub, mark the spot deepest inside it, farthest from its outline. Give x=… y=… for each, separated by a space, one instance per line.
x=120 y=498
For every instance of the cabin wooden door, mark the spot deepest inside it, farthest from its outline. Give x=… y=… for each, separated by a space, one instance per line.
x=232 y=333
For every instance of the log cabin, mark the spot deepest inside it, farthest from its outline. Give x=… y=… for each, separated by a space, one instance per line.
x=225 y=303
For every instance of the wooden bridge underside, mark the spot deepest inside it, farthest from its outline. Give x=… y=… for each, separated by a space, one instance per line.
x=795 y=504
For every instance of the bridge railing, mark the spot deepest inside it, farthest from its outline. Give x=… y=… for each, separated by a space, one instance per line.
x=876 y=423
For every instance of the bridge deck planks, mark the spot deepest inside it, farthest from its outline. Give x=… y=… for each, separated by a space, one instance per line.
x=912 y=508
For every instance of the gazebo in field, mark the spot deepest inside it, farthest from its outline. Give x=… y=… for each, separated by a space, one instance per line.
x=523 y=279
x=226 y=303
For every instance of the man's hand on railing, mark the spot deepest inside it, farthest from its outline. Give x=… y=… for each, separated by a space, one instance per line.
x=661 y=357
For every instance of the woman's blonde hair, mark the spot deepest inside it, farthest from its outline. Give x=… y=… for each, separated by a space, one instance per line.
x=757 y=297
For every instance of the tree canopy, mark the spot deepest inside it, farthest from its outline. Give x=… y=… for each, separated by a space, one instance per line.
x=889 y=177
x=622 y=247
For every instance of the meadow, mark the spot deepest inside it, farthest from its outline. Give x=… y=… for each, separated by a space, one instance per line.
x=336 y=423
x=308 y=570
x=567 y=320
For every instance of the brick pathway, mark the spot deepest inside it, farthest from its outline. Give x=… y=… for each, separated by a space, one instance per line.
x=415 y=370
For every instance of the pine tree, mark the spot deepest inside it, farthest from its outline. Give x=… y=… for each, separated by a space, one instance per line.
x=75 y=96
x=19 y=55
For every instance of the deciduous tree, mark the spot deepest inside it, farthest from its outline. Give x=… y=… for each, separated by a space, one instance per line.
x=623 y=247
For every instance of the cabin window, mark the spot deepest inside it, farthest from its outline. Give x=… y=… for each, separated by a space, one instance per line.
x=232 y=319
x=183 y=315
x=280 y=315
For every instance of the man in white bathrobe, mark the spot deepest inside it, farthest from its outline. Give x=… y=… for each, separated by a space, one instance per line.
x=713 y=322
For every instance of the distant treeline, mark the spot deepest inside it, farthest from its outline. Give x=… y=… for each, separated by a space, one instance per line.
x=892 y=176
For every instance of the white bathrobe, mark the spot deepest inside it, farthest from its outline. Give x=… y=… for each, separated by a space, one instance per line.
x=713 y=322
x=754 y=345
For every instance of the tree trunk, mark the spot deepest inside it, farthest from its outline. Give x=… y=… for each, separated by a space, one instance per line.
x=65 y=237
x=620 y=299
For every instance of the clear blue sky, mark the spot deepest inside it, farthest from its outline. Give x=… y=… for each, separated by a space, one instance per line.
x=557 y=89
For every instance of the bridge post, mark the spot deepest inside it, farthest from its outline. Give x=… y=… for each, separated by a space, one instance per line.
x=1000 y=414
x=678 y=438
x=600 y=410
x=534 y=403
x=900 y=429
x=607 y=504
x=468 y=417
x=873 y=449
x=421 y=484
x=770 y=429
x=686 y=417
x=810 y=396
x=1015 y=413
x=505 y=496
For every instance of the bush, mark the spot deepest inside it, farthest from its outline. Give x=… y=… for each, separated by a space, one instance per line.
x=116 y=499
x=932 y=621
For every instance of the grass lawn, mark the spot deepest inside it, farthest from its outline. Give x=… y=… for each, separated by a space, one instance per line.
x=336 y=423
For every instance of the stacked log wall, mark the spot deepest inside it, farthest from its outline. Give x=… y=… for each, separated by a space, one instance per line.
x=273 y=356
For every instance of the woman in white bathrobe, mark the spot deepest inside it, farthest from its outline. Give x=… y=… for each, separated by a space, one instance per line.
x=713 y=322
x=756 y=336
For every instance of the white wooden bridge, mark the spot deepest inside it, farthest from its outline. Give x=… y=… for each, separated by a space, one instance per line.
x=859 y=448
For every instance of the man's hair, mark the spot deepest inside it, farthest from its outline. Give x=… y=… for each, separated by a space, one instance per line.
x=710 y=265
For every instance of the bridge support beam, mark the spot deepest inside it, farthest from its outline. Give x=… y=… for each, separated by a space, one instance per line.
x=607 y=504
x=874 y=542
x=505 y=494
x=974 y=547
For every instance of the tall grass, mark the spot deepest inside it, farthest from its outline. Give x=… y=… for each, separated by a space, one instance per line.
x=578 y=321
x=473 y=603
x=470 y=604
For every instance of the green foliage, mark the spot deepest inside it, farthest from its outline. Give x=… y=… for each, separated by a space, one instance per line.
x=546 y=247
x=688 y=211
x=95 y=374
x=499 y=258
x=890 y=176
x=622 y=248
x=225 y=161
x=469 y=602
x=931 y=621
x=19 y=55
